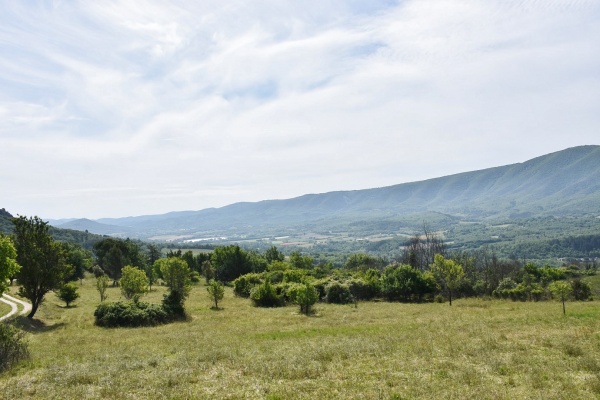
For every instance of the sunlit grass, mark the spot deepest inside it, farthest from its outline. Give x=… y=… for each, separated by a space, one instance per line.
x=475 y=349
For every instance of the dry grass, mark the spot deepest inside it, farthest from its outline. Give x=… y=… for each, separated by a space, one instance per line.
x=475 y=349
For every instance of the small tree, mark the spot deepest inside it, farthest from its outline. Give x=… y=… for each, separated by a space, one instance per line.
x=176 y=274
x=208 y=271
x=216 y=291
x=305 y=295
x=448 y=273
x=561 y=290
x=8 y=262
x=133 y=283
x=102 y=283
x=68 y=293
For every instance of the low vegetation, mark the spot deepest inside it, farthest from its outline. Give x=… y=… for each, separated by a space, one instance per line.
x=478 y=349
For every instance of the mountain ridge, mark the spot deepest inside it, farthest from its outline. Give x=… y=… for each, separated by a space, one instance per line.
x=566 y=182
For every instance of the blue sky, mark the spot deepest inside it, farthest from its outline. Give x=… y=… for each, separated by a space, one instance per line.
x=118 y=108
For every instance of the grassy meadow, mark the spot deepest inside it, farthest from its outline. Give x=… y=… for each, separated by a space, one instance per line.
x=475 y=349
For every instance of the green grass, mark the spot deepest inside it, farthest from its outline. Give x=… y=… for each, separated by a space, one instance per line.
x=4 y=308
x=475 y=349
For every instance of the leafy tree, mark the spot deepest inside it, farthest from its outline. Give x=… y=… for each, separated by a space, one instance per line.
x=561 y=290
x=102 y=283
x=153 y=254
x=113 y=254
x=305 y=295
x=151 y=275
x=208 y=271
x=188 y=256
x=8 y=261
x=448 y=273
x=258 y=263
x=363 y=262
x=133 y=282
x=79 y=258
x=68 y=293
x=273 y=254
x=176 y=274
x=230 y=262
x=216 y=292
x=405 y=283
x=42 y=260
x=299 y=261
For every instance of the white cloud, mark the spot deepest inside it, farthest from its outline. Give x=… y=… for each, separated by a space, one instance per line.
x=126 y=108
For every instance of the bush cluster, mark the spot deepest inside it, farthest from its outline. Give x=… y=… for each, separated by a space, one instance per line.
x=13 y=347
x=131 y=314
x=265 y=295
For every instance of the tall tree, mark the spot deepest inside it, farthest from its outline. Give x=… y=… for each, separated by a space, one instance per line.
x=8 y=261
x=176 y=275
x=230 y=262
x=273 y=254
x=448 y=273
x=113 y=254
x=42 y=260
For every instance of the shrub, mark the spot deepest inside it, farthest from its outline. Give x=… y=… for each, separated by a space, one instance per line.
x=13 y=347
x=130 y=314
x=172 y=304
x=265 y=295
x=98 y=272
x=362 y=289
x=68 y=293
x=216 y=291
x=303 y=294
x=245 y=283
x=194 y=277
x=294 y=275
x=321 y=286
x=582 y=291
x=275 y=276
x=338 y=293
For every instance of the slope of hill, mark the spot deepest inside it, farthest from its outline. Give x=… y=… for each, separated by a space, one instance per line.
x=85 y=224
x=84 y=239
x=558 y=184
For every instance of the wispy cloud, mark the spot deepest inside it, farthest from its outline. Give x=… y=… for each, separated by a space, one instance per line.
x=243 y=101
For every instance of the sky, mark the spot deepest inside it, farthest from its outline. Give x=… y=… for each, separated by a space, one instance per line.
x=127 y=108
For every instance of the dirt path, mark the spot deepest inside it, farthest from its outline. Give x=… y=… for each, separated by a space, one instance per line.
x=14 y=305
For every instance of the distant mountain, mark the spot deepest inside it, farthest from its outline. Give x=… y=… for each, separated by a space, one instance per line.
x=84 y=239
x=564 y=183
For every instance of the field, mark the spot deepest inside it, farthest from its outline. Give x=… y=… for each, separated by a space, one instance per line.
x=475 y=349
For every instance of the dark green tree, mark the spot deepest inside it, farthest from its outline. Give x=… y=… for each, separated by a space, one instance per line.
x=230 y=262
x=113 y=254
x=42 y=260
x=273 y=254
